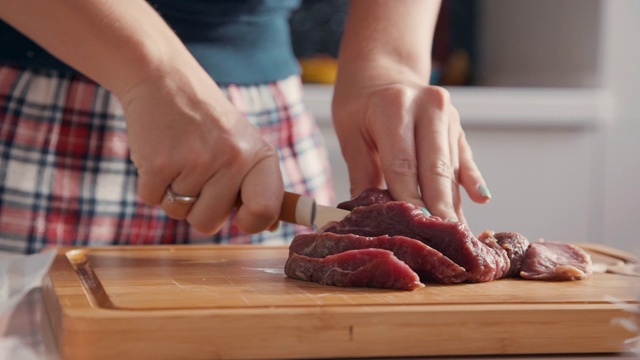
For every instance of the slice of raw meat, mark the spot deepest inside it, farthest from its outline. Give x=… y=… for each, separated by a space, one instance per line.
x=354 y=268
x=453 y=239
x=502 y=261
x=427 y=262
x=516 y=246
x=556 y=261
x=439 y=251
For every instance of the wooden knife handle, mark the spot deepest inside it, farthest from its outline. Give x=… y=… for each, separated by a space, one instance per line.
x=295 y=209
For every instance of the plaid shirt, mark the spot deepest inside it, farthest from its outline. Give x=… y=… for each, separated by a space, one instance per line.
x=66 y=177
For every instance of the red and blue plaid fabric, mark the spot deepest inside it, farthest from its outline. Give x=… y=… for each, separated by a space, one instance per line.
x=66 y=177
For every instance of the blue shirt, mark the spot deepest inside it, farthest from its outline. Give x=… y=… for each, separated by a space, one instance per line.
x=236 y=41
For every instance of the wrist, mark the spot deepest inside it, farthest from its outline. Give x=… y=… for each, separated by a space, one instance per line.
x=373 y=75
x=380 y=72
x=147 y=64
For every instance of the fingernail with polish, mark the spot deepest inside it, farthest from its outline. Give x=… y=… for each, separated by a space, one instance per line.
x=425 y=211
x=484 y=191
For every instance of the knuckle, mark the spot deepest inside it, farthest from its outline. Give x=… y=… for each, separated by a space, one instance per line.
x=397 y=94
x=263 y=211
x=196 y=161
x=247 y=153
x=404 y=167
x=259 y=212
x=395 y=97
x=265 y=150
x=233 y=154
x=238 y=148
x=441 y=168
x=155 y=165
x=438 y=97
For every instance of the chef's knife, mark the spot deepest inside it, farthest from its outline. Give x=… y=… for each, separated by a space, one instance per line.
x=304 y=210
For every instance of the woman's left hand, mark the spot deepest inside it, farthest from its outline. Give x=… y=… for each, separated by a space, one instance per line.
x=407 y=136
x=394 y=128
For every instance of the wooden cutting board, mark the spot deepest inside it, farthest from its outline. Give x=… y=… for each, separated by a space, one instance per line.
x=209 y=302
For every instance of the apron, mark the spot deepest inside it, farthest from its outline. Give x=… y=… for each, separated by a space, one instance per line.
x=66 y=177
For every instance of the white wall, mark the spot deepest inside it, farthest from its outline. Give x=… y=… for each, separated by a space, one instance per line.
x=621 y=74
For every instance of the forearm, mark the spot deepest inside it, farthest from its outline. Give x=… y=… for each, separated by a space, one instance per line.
x=116 y=43
x=383 y=35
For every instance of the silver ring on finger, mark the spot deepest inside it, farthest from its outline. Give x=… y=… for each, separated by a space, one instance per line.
x=172 y=196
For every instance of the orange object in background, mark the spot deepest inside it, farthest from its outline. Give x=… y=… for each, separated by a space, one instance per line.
x=319 y=69
x=457 y=69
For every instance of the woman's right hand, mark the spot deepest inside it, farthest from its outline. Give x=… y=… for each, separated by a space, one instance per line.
x=185 y=134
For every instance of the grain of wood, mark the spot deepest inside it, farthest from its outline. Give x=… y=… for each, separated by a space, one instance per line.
x=204 y=302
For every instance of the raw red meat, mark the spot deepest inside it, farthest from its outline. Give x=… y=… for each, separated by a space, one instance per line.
x=428 y=263
x=354 y=268
x=453 y=239
x=368 y=197
x=501 y=260
x=439 y=251
x=516 y=246
x=556 y=261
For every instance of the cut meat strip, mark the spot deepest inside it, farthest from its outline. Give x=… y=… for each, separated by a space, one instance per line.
x=555 y=261
x=355 y=268
x=427 y=262
x=453 y=239
x=440 y=251
x=502 y=261
x=516 y=246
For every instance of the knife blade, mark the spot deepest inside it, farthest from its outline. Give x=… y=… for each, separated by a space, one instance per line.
x=303 y=210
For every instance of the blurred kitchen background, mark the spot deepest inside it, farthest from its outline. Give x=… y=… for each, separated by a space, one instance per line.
x=548 y=95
